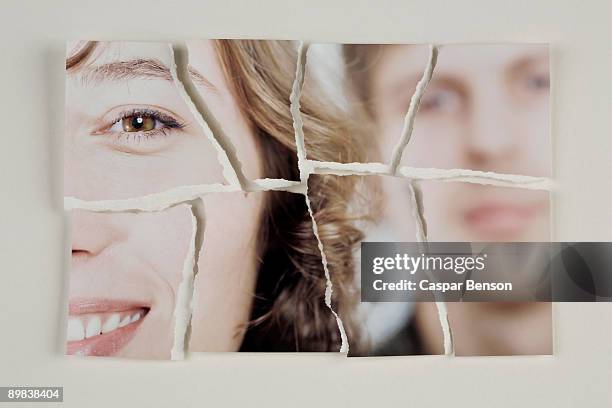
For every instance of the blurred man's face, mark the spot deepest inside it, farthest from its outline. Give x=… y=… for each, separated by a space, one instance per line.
x=486 y=108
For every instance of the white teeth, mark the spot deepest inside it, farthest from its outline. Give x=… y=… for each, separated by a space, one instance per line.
x=93 y=327
x=111 y=323
x=90 y=325
x=75 y=330
x=125 y=321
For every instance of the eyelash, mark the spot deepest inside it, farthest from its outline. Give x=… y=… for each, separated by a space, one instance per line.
x=168 y=123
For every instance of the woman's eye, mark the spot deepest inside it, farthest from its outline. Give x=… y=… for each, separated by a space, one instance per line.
x=140 y=131
x=138 y=123
x=145 y=123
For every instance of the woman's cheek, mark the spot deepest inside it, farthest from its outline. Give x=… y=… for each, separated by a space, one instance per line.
x=227 y=270
x=98 y=173
x=162 y=240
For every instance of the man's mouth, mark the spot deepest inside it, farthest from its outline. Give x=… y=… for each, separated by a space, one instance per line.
x=501 y=220
x=102 y=327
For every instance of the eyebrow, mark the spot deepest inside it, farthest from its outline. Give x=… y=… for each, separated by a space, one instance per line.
x=137 y=68
x=526 y=62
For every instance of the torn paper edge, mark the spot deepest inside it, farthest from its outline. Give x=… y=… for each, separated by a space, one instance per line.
x=305 y=170
x=184 y=294
x=296 y=114
x=226 y=153
x=479 y=177
x=329 y=289
x=418 y=213
x=168 y=198
x=349 y=169
x=416 y=197
x=435 y=174
x=413 y=108
x=175 y=196
x=148 y=203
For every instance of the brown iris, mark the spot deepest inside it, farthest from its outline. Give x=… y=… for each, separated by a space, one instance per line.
x=138 y=123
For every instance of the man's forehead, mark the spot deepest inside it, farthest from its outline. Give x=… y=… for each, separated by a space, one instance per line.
x=416 y=54
x=490 y=53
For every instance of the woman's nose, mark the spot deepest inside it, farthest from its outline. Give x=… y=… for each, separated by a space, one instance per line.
x=93 y=233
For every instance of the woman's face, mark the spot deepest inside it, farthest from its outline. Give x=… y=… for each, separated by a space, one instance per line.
x=128 y=134
x=126 y=269
x=486 y=108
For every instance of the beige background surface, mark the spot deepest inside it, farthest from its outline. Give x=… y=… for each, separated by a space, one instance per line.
x=32 y=232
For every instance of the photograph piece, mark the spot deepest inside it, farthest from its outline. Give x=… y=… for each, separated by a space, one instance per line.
x=485 y=108
x=124 y=279
x=381 y=210
x=246 y=85
x=466 y=212
x=129 y=131
x=340 y=81
x=260 y=284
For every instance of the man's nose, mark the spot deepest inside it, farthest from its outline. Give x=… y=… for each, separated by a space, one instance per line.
x=490 y=138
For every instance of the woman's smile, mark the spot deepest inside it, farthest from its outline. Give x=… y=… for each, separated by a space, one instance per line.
x=102 y=326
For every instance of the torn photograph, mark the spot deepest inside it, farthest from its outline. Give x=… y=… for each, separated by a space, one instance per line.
x=202 y=221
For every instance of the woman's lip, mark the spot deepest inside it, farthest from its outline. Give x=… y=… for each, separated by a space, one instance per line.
x=500 y=218
x=108 y=333
x=80 y=306
x=105 y=344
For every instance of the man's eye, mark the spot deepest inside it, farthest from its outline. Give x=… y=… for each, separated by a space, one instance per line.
x=440 y=100
x=538 y=82
x=138 y=123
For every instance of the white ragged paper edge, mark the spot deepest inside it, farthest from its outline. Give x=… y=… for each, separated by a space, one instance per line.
x=178 y=195
x=150 y=202
x=276 y=185
x=296 y=114
x=329 y=289
x=416 y=200
x=226 y=153
x=305 y=168
x=416 y=205
x=349 y=169
x=478 y=177
x=413 y=108
x=445 y=175
x=182 y=307
x=169 y=198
